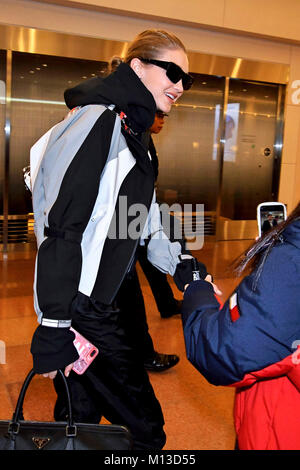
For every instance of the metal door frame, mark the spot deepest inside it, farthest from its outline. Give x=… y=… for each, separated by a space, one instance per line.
x=247 y=229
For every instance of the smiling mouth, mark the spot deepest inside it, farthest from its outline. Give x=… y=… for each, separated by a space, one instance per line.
x=171 y=97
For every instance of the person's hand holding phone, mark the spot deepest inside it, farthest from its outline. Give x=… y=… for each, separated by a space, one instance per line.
x=208 y=278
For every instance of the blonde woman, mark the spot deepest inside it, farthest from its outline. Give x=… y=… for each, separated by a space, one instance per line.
x=94 y=159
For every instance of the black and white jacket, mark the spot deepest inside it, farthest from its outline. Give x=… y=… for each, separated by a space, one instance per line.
x=88 y=173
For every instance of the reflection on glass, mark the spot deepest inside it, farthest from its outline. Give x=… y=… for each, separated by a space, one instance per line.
x=248 y=148
x=188 y=146
x=231 y=132
x=38 y=85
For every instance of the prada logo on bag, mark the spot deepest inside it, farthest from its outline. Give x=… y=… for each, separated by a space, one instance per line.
x=40 y=442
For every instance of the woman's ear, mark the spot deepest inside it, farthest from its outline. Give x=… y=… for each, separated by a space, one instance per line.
x=137 y=66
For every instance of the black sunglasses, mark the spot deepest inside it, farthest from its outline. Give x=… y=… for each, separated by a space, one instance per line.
x=173 y=72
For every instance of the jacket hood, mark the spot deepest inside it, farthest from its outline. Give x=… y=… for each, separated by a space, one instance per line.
x=122 y=88
x=292 y=233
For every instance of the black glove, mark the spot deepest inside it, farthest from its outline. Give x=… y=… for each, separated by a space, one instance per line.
x=52 y=348
x=188 y=270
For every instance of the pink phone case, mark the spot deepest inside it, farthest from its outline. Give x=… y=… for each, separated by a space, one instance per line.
x=87 y=353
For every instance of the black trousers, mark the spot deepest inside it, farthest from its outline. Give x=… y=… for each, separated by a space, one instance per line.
x=116 y=384
x=133 y=318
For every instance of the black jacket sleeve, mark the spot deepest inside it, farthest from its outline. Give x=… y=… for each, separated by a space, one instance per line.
x=52 y=349
x=252 y=330
x=59 y=260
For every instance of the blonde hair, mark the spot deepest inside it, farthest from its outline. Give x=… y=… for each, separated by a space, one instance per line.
x=148 y=45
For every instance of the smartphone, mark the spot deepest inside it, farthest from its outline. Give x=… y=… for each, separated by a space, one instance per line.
x=87 y=353
x=269 y=214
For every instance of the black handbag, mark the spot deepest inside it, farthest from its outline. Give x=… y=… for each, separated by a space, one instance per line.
x=19 y=434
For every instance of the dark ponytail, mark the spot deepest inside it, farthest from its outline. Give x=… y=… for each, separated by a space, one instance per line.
x=114 y=63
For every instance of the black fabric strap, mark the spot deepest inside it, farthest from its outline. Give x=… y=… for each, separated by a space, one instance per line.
x=67 y=235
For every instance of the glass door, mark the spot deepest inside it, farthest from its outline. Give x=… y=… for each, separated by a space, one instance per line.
x=251 y=157
x=37 y=103
x=189 y=149
x=38 y=85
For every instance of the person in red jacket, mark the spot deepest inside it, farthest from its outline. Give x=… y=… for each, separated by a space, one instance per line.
x=251 y=342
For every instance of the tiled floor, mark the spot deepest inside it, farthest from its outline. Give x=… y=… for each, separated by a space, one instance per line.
x=197 y=414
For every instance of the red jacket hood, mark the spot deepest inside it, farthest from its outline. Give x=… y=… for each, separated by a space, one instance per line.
x=289 y=366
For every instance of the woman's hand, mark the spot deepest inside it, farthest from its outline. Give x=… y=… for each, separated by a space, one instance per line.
x=52 y=375
x=209 y=279
x=216 y=289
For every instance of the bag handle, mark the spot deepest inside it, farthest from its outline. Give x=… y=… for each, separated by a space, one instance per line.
x=15 y=425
